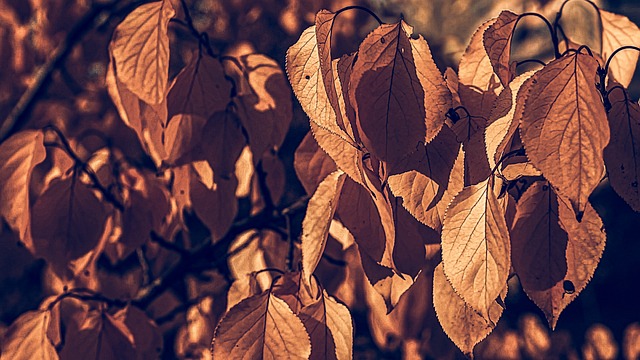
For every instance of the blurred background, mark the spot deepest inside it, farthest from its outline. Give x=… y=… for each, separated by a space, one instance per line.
x=604 y=321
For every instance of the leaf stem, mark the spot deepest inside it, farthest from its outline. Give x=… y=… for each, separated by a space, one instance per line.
x=362 y=8
x=552 y=32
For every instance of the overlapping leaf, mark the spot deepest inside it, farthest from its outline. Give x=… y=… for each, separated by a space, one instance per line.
x=622 y=155
x=475 y=246
x=453 y=312
x=618 y=31
x=27 y=338
x=398 y=94
x=553 y=254
x=19 y=154
x=312 y=164
x=564 y=127
x=261 y=327
x=315 y=226
x=497 y=42
x=140 y=48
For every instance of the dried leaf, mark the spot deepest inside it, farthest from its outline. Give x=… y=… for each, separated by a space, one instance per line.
x=452 y=311
x=140 y=48
x=564 y=127
x=19 y=155
x=99 y=335
x=410 y=98
x=347 y=157
x=27 y=337
x=622 y=155
x=618 y=31
x=147 y=337
x=475 y=246
x=315 y=226
x=553 y=254
x=68 y=221
x=222 y=143
x=497 y=43
x=261 y=327
x=430 y=177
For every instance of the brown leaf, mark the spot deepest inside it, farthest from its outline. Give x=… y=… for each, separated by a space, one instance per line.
x=622 y=155
x=264 y=101
x=147 y=120
x=478 y=85
x=216 y=207
x=432 y=175
x=618 y=31
x=497 y=43
x=305 y=77
x=315 y=226
x=199 y=91
x=475 y=246
x=452 y=311
x=312 y=164
x=19 y=155
x=98 y=335
x=398 y=93
x=222 y=143
x=347 y=157
x=140 y=48
x=27 y=337
x=553 y=254
x=68 y=221
x=261 y=327
x=564 y=127
x=147 y=338
x=502 y=125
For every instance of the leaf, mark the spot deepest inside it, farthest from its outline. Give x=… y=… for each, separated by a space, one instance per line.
x=261 y=327
x=475 y=246
x=315 y=226
x=19 y=155
x=433 y=177
x=478 y=85
x=305 y=77
x=222 y=143
x=618 y=31
x=147 y=337
x=622 y=155
x=346 y=157
x=263 y=100
x=27 y=337
x=68 y=221
x=339 y=322
x=497 y=42
x=452 y=311
x=140 y=48
x=399 y=95
x=199 y=91
x=502 y=125
x=147 y=120
x=311 y=163
x=216 y=207
x=99 y=335
x=553 y=254
x=564 y=128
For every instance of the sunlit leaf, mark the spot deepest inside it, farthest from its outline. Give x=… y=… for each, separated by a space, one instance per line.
x=497 y=42
x=622 y=155
x=452 y=312
x=27 y=338
x=564 y=127
x=553 y=254
x=618 y=31
x=315 y=226
x=140 y=48
x=19 y=154
x=475 y=246
x=311 y=163
x=346 y=157
x=398 y=93
x=261 y=327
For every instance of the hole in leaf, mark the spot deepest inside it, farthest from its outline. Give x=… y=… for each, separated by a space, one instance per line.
x=65 y=288
x=545 y=187
x=568 y=287
x=634 y=184
x=307 y=77
x=382 y=40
